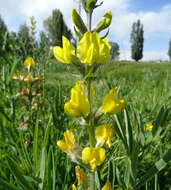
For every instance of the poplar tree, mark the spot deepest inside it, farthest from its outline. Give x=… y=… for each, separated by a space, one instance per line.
x=169 y=50
x=114 y=51
x=3 y=36
x=137 y=40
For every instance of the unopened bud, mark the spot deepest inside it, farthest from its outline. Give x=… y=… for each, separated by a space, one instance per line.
x=104 y=22
x=90 y=5
x=79 y=23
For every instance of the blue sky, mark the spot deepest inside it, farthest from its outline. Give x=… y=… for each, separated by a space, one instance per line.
x=154 y=14
x=149 y=5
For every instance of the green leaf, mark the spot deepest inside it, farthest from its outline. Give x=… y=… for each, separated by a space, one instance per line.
x=158 y=166
x=16 y=171
x=6 y=185
x=35 y=147
x=42 y=167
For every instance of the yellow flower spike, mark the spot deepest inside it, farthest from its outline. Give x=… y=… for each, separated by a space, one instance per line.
x=149 y=127
x=66 y=53
x=81 y=175
x=74 y=187
x=104 y=134
x=107 y=186
x=92 y=49
x=29 y=62
x=111 y=104
x=68 y=144
x=93 y=156
x=78 y=105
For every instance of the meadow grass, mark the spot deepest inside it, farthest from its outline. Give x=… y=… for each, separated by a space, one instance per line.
x=30 y=159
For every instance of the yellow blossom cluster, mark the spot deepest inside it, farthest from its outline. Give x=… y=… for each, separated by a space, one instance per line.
x=90 y=50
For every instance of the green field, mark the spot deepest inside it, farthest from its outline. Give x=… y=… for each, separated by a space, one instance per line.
x=29 y=156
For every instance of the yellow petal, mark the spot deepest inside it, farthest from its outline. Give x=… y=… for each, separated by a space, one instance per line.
x=149 y=127
x=107 y=186
x=93 y=156
x=104 y=51
x=78 y=105
x=62 y=145
x=66 y=54
x=81 y=175
x=104 y=134
x=92 y=49
x=69 y=138
x=68 y=144
x=74 y=187
x=83 y=46
x=72 y=109
x=59 y=54
x=111 y=104
x=29 y=62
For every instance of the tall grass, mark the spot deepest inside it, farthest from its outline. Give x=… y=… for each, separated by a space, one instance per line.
x=30 y=159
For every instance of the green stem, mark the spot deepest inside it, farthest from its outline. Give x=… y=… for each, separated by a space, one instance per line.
x=90 y=121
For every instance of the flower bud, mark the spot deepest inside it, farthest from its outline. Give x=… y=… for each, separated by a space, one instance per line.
x=90 y=5
x=104 y=22
x=79 y=23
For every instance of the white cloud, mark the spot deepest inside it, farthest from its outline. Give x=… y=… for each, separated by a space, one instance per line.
x=147 y=56
x=154 y=23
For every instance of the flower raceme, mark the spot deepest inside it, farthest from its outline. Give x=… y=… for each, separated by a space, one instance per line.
x=93 y=156
x=111 y=104
x=65 y=54
x=78 y=106
x=91 y=49
x=104 y=134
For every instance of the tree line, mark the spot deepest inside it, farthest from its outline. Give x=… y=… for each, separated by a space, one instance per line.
x=25 y=41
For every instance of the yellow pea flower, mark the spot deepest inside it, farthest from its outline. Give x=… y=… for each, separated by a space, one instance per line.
x=74 y=187
x=93 y=156
x=149 y=127
x=78 y=105
x=68 y=144
x=107 y=186
x=92 y=49
x=104 y=134
x=111 y=104
x=66 y=53
x=29 y=62
x=81 y=175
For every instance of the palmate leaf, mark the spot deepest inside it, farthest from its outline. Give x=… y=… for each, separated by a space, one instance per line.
x=158 y=166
